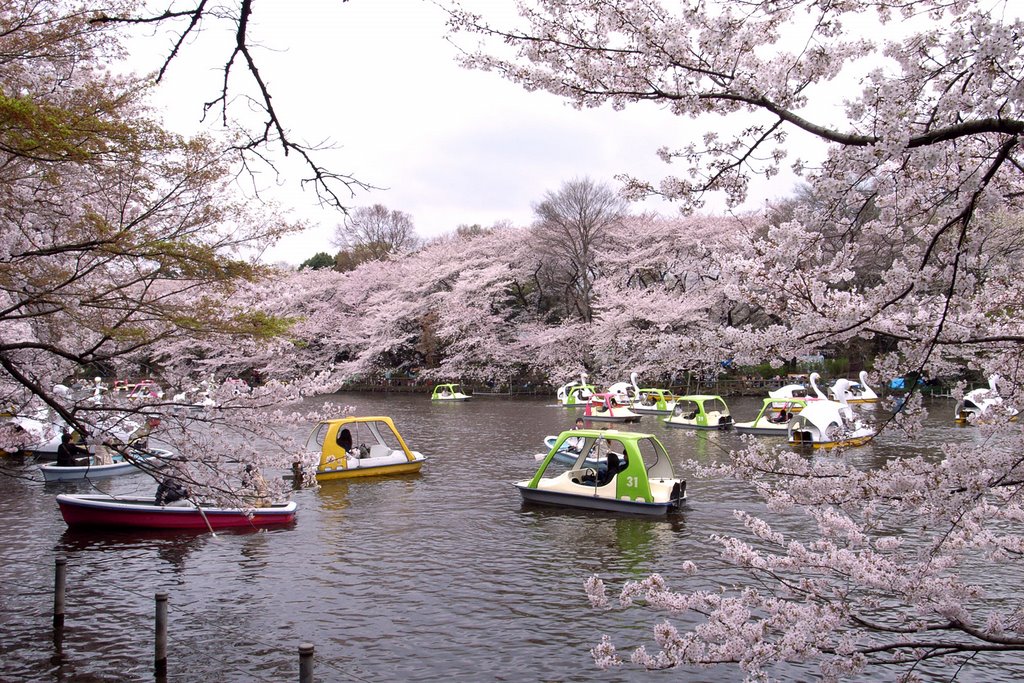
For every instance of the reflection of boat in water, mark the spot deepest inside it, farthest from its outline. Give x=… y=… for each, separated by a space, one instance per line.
x=172 y=546
x=637 y=476
x=700 y=411
x=828 y=424
x=361 y=447
x=92 y=470
x=449 y=392
x=605 y=408
x=774 y=417
x=145 y=513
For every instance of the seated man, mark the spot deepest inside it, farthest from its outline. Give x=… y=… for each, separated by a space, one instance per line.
x=614 y=466
x=69 y=452
x=170 y=491
x=575 y=444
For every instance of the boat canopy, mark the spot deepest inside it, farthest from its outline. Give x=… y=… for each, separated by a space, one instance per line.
x=703 y=403
x=788 y=405
x=446 y=390
x=645 y=456
x=374 y=435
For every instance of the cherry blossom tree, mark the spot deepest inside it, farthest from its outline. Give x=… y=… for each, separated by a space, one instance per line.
x=906 y=115
x=123 y=244
x=661 y=306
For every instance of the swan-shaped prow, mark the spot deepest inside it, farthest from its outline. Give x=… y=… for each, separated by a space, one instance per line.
x=814 y=385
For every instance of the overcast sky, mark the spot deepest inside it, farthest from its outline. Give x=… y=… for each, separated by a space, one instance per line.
x=448 y=146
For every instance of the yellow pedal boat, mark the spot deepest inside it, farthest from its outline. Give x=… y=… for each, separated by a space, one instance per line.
x=361 y=447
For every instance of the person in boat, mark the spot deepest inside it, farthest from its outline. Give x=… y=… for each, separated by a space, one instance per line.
x=345 y=440
x=140 y=437
x=103 y=454
x=255 y=485
x=68 y=452
x=615 y=464
x=170 y=491
x=575 y=444
x=446 y=393
x=780 y=417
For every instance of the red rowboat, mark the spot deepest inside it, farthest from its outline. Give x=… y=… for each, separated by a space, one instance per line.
x=144 y=513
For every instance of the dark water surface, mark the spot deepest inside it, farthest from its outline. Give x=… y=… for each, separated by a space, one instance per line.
x=439 y=576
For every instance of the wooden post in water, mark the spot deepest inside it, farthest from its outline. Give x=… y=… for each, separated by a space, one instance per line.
x=160 y=662
x=59 y=584
x=306 y=663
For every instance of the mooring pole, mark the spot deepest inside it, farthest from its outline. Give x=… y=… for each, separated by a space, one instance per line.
x=60 y=579
x=306 y=663
x=160 y=662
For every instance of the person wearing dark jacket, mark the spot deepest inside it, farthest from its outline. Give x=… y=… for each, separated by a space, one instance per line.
x=68 y=453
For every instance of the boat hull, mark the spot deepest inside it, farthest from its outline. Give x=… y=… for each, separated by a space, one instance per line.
x=761 y=431
x=600 y=418
x=137 y=513
x=706 y=428
x=54 y=473
x=842 y=443
x=548 y=497
x=642 y=410
x=351 y=473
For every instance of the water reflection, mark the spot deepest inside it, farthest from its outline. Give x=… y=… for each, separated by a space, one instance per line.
x=435 y=576
x=172 y=546
x=334 y=495
x=633 y=539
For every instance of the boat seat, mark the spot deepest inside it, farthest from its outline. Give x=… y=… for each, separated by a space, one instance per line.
x=379 y=450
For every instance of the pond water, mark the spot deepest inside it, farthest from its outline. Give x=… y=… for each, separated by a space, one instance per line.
x=439 y=576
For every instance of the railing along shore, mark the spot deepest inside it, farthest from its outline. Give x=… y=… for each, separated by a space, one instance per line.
x=726 y=387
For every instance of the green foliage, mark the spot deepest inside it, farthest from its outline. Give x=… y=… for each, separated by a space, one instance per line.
x=318 y=261
x=762 y=370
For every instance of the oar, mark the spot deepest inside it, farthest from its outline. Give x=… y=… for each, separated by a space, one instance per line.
x=208 y=525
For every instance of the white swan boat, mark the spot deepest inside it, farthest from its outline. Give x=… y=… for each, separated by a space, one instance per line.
x=977 y=402
x=625 y=392
x=859 y=392
x=605 y=408
x=576 y=394
x=812 y=393
x=829 y=424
